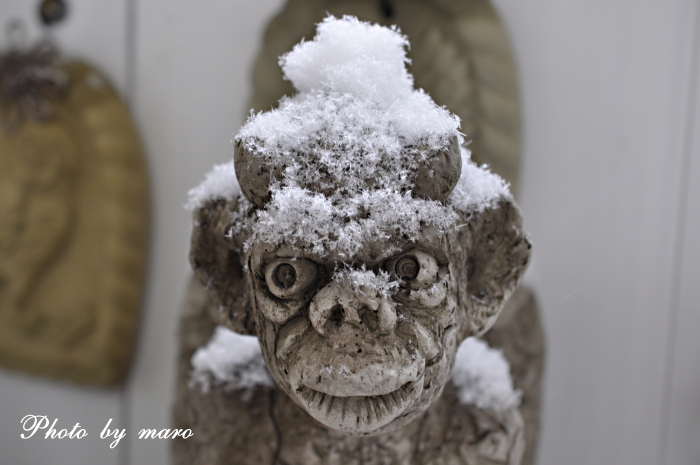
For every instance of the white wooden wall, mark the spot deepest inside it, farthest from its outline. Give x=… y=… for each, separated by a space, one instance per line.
x=610 y=193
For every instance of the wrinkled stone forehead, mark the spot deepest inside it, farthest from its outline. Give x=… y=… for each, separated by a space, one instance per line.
x=339 y=169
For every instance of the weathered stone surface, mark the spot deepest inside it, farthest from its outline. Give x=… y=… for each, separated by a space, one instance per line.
x=438 y=174
x=73 y=236
x=479 y=266
x=407 y=349
x=273 y=429
x=518 y=332
x=226 y=429
x=359 y=311
x=435 y=177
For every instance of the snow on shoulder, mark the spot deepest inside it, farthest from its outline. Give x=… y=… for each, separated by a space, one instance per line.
x=481 y=376
x=232 y=360
x=477 y=188
x=219 y=183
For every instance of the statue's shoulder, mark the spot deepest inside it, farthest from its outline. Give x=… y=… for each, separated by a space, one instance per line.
x=452 y=432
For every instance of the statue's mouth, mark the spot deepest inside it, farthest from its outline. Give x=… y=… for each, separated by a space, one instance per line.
x=359 y=414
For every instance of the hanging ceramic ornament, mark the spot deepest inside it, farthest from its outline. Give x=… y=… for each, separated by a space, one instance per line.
x=73 y=217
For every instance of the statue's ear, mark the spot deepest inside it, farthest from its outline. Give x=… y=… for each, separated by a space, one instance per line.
x=215 y=255
x=497 y=251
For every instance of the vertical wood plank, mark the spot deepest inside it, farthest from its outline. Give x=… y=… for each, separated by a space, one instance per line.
x=682 y=428
x=93 y=31
x=604 y=86
x=193 y=65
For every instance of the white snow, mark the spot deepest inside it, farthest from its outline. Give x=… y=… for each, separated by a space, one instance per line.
x=355 y=133
x=356 y=111
x=364 y=280
x=349 y=138
x=295 y=214
x=482 y=378
x=350 y=56
x=219 y=183
x=232 y=360
x=478 y=188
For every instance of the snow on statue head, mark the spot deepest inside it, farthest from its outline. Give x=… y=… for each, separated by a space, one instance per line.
x=363 y=245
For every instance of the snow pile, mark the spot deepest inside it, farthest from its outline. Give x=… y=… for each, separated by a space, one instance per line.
x=481 y=376
x=219 y=183
x=337 y=60
x=350 y=142
x=349 y=145
x=477 y=188
x=232 y=360
x=356 y=116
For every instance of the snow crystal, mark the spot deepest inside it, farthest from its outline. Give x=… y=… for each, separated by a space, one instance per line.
x=364 y=280
x=356 y=105
x=349 y=145
x=348 y=139
x=481 y=376
x=232 y=360
x=219 y=183
x=296 y=214
x=477 y=188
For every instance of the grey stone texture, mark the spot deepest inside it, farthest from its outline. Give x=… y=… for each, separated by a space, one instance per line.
x=271 y=429
x=363 y=377
x=434 y=179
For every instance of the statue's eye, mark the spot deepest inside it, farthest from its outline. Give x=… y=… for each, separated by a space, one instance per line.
x=285 y=275
x=290 y=279
x=407 y=268
x=414 y=269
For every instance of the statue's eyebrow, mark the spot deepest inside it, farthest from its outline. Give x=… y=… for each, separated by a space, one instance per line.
x=389 y=250
x=289 y=251
x=291 y=254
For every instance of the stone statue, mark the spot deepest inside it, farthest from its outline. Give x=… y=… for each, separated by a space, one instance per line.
x=362 y=248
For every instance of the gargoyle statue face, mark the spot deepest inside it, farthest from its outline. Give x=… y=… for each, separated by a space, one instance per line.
x=363 y=344
x=363 y=246
x=363 y=348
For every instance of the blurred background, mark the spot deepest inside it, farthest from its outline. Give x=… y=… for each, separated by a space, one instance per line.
x=610 y=192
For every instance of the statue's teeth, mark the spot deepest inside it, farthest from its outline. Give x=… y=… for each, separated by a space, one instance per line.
x=382 y=405
x=355 y=411
x=330 y=400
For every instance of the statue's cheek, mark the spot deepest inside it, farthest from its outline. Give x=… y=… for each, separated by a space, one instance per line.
x=276 y=310
x=430 y=298
x=439 y=370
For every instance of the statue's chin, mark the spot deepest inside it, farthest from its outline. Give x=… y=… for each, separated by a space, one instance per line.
x=362 y=415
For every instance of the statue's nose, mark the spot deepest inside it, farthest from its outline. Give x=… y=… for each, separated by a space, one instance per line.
x=337 y=304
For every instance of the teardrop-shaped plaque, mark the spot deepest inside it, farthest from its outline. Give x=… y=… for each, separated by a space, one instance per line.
x=73 y=232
